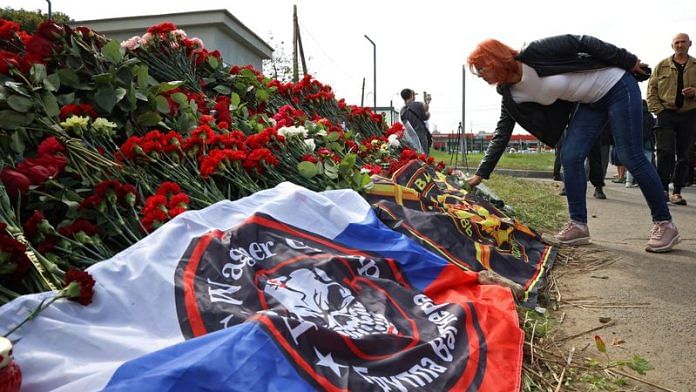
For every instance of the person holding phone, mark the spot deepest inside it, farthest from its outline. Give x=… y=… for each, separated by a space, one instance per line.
x=672 y=98
x=416 y=114
x=580 y=83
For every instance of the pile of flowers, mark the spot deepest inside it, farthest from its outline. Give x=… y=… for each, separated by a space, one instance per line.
x=102 y=142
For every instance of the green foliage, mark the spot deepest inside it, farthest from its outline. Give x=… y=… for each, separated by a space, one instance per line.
x=536 y=203
x=636 y=363
x=30 y=20
x=512 y=161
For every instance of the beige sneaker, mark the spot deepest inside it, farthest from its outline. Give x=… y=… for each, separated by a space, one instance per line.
x=574 y=233
x=663 y=236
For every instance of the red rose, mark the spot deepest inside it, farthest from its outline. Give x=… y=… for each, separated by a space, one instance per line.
x=37 y=174
x=38 y=46
x=51 y=146
x=50 y=30
x=14 y=181
x=7 y=29
x=41 y=168
x=8 y=59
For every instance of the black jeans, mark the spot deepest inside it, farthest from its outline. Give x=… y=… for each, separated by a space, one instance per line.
x=674 y=136
x=597 y=171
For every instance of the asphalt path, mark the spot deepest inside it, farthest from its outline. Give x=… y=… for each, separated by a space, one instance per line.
x=650 y=297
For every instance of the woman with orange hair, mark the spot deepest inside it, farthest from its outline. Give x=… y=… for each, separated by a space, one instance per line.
x=575 y=83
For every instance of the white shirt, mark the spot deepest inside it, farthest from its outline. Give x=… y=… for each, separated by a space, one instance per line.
x=583 y=86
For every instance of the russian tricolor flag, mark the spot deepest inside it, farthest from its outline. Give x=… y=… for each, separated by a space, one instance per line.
x=288 y=290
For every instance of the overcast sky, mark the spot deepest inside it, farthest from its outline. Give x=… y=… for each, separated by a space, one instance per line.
x=422 y=44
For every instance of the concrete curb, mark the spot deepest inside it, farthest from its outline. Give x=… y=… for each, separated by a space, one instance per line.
x=521 y=173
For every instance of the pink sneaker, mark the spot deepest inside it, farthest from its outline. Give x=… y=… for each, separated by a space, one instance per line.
x=574 y=233
x=663 y=236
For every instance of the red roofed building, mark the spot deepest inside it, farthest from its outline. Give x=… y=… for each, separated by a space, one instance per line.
x=480 y=141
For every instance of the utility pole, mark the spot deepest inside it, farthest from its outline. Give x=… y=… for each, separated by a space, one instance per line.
x=362 y=94
x=463 y=144
x=295 y=76
x=374 y=72
x=297 y=43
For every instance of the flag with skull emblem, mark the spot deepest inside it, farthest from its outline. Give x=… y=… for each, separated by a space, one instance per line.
x=287 y=289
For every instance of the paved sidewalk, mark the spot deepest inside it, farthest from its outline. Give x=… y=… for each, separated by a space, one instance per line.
x=661 y=327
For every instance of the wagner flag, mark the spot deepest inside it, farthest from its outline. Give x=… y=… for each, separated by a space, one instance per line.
x=287 y=290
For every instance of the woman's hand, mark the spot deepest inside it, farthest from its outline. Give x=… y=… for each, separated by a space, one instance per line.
x=474 y=180
x=640 y=68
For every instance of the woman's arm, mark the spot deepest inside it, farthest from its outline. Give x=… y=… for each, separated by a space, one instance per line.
x=497 y=146
x=571 y=45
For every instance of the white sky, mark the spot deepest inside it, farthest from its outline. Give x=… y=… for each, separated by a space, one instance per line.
x=422 y=44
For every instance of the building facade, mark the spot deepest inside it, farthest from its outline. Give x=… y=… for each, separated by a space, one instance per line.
x=218 y=29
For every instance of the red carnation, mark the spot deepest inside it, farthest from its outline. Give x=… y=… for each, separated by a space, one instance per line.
x=162 y=28
x=31 y=226
x=168 y=188
x=84 y=291
x=310 y=158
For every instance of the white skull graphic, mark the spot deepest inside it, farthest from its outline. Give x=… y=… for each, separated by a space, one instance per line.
x=311 y=295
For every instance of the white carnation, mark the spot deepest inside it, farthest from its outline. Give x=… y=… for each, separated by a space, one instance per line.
x=310 y=143
x=393 y=141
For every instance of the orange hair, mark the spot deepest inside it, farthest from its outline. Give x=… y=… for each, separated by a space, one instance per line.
x=496 y=57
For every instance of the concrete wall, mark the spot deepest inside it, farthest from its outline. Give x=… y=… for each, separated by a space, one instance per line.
x=218 y=29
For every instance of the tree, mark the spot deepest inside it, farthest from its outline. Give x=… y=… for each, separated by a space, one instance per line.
x=30 y=20
x=280 y=65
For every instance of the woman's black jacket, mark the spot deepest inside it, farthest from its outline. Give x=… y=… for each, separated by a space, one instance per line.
x=550 y=56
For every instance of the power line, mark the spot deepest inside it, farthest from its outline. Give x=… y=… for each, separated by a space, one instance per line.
x=326 y=54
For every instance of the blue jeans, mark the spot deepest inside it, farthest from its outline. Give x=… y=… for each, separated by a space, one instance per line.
x=621 y=107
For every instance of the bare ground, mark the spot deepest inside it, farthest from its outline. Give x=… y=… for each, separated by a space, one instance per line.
x=642 y=304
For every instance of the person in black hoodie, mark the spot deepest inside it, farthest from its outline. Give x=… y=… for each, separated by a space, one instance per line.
x=578 y=82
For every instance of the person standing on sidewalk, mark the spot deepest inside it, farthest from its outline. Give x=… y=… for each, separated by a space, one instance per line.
x=417 y=113
x=595 y=81
x=648 y=142
x=672 y=97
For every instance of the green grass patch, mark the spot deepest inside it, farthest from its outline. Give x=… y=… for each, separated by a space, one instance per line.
x=513 y=161
x=536 y=203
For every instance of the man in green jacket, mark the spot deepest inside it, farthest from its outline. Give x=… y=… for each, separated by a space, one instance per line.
x=672 y=97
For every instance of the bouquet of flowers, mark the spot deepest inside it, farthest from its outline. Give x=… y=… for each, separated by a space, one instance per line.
x=102 y=142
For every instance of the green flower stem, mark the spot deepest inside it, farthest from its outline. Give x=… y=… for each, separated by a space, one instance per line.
x=118 y=229
x=84 y=259
x=9 y=293
x=140 y=223
x=43 y=305
x=81 y=245
x=128 y=230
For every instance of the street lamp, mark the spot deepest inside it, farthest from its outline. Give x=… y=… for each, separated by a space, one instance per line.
x=374 y=72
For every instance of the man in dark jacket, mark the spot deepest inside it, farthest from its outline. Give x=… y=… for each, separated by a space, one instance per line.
x=417 y=113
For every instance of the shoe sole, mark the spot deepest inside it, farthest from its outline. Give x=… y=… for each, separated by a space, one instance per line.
x=665 y=248
x=577 y=241
x=678 y=203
